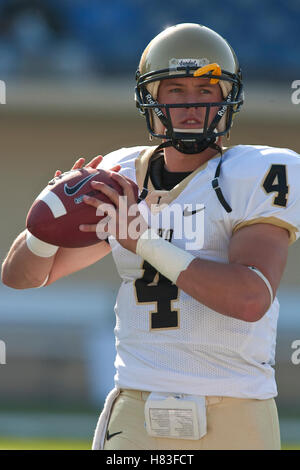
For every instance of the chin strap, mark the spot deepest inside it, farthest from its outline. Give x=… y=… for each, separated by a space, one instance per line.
x=183 y=144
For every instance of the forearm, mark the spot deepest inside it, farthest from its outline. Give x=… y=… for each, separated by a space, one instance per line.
x=22 y=269
x=230 y=289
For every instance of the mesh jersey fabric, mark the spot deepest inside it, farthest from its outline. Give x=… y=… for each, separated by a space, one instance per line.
x=202 y=352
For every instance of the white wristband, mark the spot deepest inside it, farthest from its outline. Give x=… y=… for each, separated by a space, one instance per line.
x=38 y=247
x=44 y=283
x=260 y=274
x=168 y=259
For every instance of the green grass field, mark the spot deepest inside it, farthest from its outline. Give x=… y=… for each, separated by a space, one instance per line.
x=43 y=444
x=61 y=444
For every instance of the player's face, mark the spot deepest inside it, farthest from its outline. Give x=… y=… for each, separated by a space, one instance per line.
x=189 y=90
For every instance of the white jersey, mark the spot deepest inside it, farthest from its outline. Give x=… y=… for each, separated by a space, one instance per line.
x=166 y=341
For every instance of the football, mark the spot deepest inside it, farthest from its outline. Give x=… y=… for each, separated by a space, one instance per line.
x=57 y=212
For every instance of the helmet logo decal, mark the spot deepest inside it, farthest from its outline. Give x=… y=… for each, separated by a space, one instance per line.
x=175 y=63
x=214 y=68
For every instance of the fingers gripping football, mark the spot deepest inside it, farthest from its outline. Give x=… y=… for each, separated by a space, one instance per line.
x=124 y=182
x=79 y=163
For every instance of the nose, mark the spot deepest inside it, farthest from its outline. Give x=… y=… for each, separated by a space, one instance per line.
x=194 y=112
x=193 y=98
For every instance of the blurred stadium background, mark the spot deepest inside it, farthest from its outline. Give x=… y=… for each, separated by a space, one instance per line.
x=69 y=70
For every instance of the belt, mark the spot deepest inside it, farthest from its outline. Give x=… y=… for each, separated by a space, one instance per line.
x=142 y=395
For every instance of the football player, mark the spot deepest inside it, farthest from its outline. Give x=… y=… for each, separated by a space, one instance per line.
x=196 y=312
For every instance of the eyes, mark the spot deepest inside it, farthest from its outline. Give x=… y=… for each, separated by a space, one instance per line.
x=179 y=93
x=179 y=90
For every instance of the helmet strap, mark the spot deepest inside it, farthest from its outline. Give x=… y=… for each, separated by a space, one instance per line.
x=215 y=185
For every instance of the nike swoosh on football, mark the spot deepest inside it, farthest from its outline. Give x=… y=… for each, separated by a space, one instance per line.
x=70 y=190
x=186 y=212
x=109 y=436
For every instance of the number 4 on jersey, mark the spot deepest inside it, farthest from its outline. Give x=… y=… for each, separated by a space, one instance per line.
x=155 y=288
x=276 y=181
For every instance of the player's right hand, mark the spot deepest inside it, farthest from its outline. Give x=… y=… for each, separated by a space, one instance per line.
x=92 y=164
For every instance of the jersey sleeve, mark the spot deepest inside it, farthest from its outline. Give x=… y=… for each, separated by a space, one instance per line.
x=265 y=188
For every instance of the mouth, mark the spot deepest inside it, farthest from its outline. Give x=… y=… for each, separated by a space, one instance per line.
x=191 y=124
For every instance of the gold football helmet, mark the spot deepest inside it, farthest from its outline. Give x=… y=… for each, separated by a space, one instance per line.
x=189 y=50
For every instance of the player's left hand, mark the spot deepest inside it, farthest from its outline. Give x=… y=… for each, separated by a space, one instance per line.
x=126 y=223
